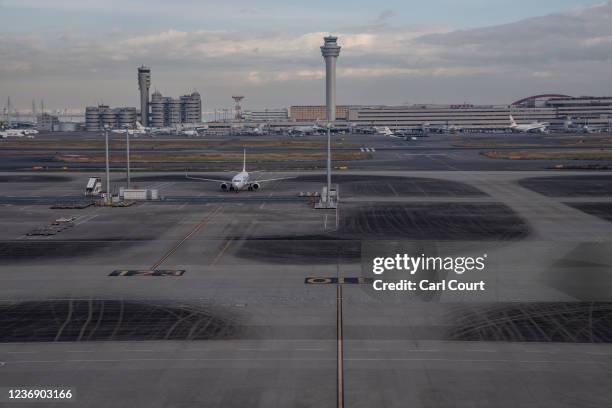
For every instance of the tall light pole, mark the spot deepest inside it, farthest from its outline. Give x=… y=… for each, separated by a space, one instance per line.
x=127 y=136
x=330 y=51
x=328 y=166
x=108 y=199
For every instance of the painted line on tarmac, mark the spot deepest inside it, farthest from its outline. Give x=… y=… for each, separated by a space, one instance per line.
x=21 y=352
x=193 y=232
x=222 y=252
x=340 y=350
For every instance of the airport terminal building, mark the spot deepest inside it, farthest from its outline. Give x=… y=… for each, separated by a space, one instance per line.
x=554 y=109
x=266 y=115
x=312 y=113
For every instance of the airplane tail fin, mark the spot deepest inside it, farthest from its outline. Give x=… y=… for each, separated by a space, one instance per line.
x=244 y=160
x=139 y=125
x=512 y=121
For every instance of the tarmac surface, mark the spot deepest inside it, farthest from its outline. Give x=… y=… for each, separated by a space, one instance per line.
x=235 y=322
x=449 y=152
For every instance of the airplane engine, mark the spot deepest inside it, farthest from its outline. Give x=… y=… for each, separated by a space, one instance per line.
x=224 y=187
x=255 y=186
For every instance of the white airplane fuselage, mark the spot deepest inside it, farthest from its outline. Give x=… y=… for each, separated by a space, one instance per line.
x=240 y=182
x=529 y=128
x=12 y=133
x=533 y=127
x=384 y=131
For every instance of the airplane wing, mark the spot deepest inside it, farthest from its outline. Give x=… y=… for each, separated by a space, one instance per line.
x=206 y=179
x=273 y=179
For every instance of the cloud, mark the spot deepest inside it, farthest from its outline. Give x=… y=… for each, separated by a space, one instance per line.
x=563 y=51
x=15 y=67
x=386 y=15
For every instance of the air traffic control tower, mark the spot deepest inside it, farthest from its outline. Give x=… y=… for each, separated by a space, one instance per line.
x=330 y=51
x=144 y=83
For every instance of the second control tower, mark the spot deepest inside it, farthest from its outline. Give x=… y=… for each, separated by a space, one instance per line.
x=144 y=83
x=330 y=51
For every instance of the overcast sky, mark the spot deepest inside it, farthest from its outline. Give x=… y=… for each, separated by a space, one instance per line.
x=74 y=53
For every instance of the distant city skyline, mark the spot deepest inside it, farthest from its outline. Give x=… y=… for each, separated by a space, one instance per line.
x=77 y=53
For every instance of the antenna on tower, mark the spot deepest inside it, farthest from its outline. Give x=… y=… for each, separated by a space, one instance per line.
x=237 y=107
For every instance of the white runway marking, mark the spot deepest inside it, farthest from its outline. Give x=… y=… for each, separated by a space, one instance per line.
x=21 y=352
x=85 y=219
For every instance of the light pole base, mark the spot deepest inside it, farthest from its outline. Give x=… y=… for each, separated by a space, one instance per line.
x=328 y=202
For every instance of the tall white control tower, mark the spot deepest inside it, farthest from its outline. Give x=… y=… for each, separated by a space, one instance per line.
x=330 y=51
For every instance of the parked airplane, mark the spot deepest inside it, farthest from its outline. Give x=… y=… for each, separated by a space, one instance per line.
x=451 y=129
x=139 y=130
x=12 y=133
x=598 y=128
x=189 y=132
x=254 y=131
x=305 y=130
x=537 y=126
x=241 y=181
x=384 y=131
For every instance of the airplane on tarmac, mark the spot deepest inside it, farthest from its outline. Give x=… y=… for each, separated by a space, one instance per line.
x=11 y=133
x=254 y=131
x=305 y=130
x=189 y=132
x=188 y=129
x=537 y=126
x=139 y=130
x=179 y=130
x=241 y=181
x=385 y=131
x=588 y=128
x=18 y=133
